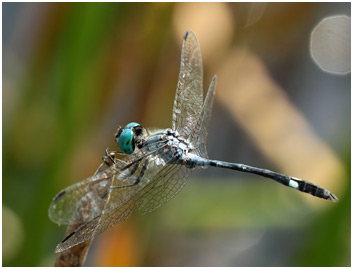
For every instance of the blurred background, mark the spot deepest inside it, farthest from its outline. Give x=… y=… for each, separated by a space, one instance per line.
x=74 y=72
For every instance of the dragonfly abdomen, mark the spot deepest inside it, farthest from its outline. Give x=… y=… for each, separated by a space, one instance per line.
x=192 y=160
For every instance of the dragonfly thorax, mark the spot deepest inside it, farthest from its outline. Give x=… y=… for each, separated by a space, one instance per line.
x=178 y=143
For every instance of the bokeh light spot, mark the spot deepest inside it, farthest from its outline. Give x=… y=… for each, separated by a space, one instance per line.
x=330 y=44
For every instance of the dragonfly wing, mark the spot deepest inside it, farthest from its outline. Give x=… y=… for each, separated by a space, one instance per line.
x=84 y=200
x=124 y=199
x=189 y=93
x=169 y=181
x=88 y=195
x=102 y=222
x=198 y=135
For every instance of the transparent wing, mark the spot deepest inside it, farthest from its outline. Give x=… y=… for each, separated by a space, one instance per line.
x=198 y=135
x=87 y=194
x=189 y=93
x=123 y=202
x=83 y=201
x=168 y=183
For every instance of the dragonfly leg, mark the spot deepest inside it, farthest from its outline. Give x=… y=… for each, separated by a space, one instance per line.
x=109 y=157
x=138 y=180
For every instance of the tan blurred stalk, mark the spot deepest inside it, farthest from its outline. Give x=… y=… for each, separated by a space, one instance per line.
x=213 y=24
x=74 y=256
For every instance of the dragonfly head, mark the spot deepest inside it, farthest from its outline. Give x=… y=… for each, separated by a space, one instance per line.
x=127 y=137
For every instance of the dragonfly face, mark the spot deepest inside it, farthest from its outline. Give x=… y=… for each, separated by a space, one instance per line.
x=129 y=137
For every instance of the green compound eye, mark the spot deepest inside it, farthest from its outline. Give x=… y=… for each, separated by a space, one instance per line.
x=126 y=141
x=131 y=125
x=126 y=137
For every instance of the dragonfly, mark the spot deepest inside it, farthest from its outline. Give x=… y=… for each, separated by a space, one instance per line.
x=151 y=167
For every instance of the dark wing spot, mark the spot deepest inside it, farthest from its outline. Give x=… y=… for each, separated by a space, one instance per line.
x=186 y=35
x=59 y=195
x=67 y=237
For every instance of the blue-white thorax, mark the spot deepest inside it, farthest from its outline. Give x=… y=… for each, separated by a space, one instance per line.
x=133 y=137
